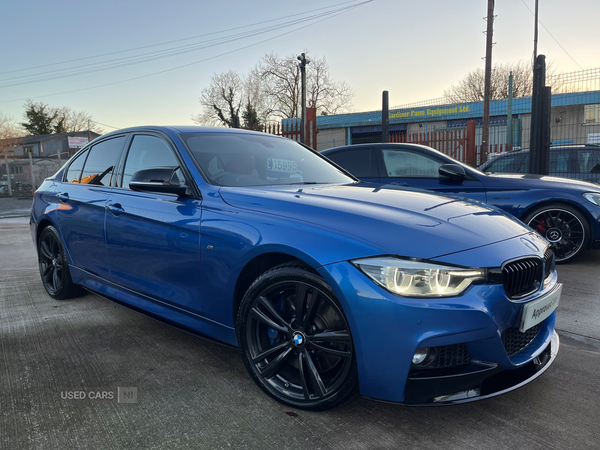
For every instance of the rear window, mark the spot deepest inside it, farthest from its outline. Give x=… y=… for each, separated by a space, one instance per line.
x=589 y=161
x=73 y=174
x=101 y=161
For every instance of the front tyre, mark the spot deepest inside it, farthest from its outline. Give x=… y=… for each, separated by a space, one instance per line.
x=54 y=267
x=295 y=340
x=564 y=226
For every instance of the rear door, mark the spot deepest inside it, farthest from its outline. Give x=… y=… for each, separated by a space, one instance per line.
x=82 y=197
x=419 y=169
x=153 y=239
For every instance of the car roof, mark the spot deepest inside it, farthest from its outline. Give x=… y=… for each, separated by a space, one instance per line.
x=378 y=144
x=184 y=129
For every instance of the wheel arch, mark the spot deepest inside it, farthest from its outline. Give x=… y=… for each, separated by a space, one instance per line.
x=253 y=269
x=44 y=223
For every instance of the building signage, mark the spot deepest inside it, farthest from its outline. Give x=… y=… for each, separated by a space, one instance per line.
x=77 y=141
x=429 y=112
x=593 y=138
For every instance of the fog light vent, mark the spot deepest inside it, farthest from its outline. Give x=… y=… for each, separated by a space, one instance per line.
x=452 y=355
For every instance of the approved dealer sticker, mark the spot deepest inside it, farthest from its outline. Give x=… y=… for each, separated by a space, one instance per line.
x=538 y=310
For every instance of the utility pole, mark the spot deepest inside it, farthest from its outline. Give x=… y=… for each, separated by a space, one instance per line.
x=485 y=138
x=302 y=65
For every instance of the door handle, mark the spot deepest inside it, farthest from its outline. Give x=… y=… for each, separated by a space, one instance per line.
x=64 y=197
x=400 y=183
x=115 y=209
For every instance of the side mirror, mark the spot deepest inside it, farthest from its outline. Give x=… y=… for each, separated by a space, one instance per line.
x=452 y=171
x=157 y=179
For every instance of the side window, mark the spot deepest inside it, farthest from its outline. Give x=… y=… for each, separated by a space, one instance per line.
x=147 y=152
x=101 y=162
x=405 y=164
x=73 y=174
x=559 y=162
x=589 y=161
x=357 y=162
x=506 y=164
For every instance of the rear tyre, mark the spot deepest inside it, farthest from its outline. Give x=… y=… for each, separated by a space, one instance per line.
x=295 y=340
x=565 y=227
x=54 y=267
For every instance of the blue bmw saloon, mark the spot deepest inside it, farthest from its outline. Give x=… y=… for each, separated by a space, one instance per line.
x=564 y=211
x=325 y=284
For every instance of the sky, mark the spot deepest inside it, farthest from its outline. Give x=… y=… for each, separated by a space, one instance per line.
x=413 y=49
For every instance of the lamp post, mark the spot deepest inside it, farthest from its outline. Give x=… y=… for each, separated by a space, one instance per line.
x=303 y=62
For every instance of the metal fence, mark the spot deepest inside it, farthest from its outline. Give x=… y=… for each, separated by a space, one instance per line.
x=574 y=133
x=575 y=124
x=21 y=176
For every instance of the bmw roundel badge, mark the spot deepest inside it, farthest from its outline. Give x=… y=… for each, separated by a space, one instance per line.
x=298 y=339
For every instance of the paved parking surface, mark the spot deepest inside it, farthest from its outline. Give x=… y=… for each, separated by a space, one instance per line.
x=192 y=393
x=15 y=207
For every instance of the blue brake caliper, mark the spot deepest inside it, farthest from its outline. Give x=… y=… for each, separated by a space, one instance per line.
x=274 y=334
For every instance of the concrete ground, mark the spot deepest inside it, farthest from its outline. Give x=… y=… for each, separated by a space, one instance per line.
x=192 y=393
x=15 y=206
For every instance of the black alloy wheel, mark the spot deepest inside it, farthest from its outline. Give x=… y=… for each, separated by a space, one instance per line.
x=54 y=268
x=295 y=340
x=564 y=227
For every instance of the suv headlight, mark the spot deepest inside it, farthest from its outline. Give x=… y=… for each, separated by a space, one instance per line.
x=418 y=279
x=593 y=197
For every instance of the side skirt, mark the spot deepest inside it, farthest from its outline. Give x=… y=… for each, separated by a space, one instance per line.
x=156 y=309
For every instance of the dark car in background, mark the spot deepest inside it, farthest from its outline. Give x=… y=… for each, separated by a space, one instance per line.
x=564 y=211
x=581 y=162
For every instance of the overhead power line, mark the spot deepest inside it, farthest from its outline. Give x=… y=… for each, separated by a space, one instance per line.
x=174 y=41
x=343 y=10
x=72 y=71
x=548 y=31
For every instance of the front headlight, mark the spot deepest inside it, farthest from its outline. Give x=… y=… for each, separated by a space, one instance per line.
x=593 y=197
x=418 y=279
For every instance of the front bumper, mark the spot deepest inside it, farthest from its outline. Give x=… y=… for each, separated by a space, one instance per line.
x=387 y=329
x=478 y=381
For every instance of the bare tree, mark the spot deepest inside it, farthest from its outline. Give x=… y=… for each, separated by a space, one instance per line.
x=9 y=128
x=222 y=100
x=230 y=97
x=272 y=89
x=471 y=87
x=282 y=87
x=10 y=136
x=323 y=93
x=77 y=121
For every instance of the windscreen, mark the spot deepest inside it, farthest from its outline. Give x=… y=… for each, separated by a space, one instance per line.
x=253 y=160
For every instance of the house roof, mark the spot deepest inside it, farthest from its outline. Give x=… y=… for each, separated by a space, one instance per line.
x=50 y=137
